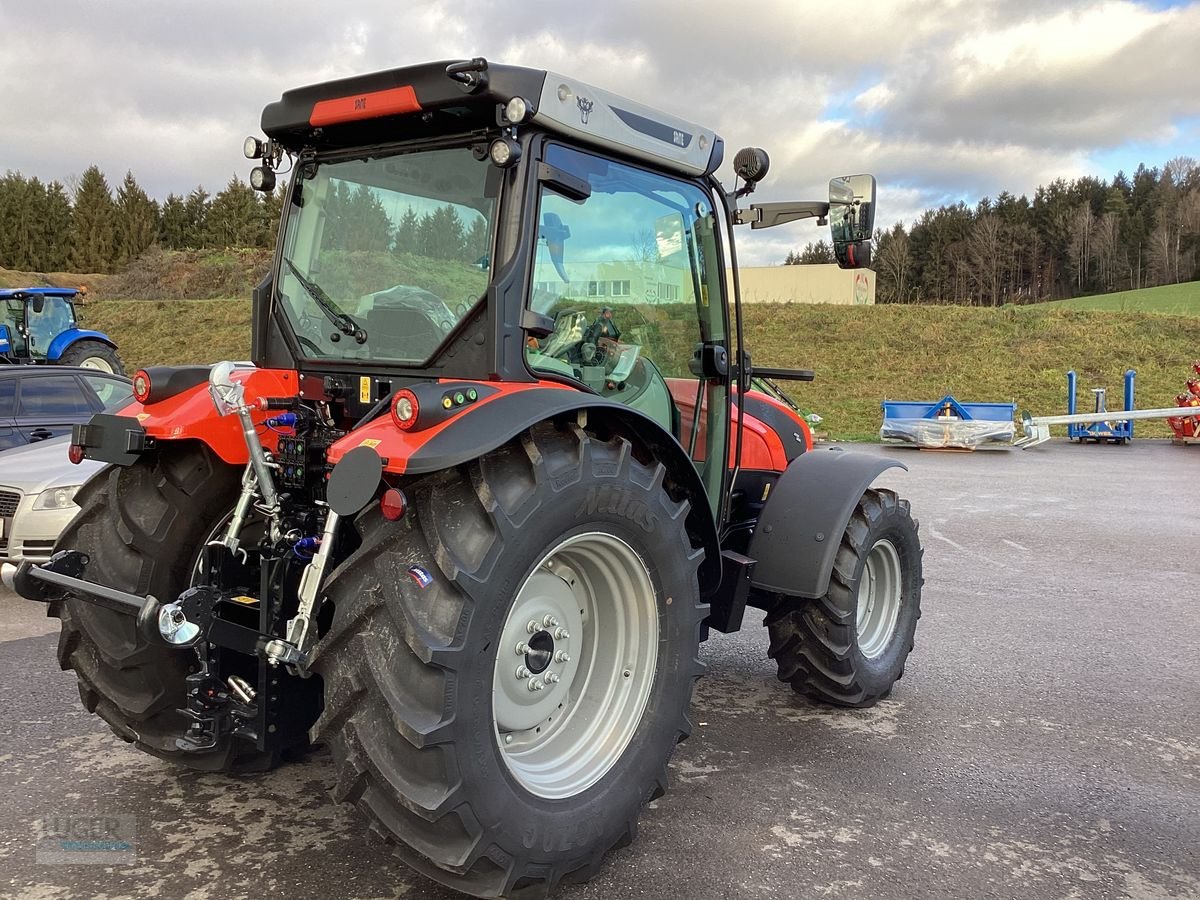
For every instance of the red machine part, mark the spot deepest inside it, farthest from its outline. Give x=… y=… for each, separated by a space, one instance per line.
x=1186 y=427
x=396 y=446
x=191 y=415
x=762 y=446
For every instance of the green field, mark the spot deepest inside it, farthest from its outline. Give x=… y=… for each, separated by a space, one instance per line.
x=861 y=354
x=1176 y=299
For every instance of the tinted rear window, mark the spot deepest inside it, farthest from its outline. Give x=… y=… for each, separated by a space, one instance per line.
x=8 y=393
x=52 y=395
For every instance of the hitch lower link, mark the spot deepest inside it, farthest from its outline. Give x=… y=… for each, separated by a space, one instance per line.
x=183 y=624
x=65 y=570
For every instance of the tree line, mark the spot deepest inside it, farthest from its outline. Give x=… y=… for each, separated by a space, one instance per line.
x=1085 y=236
x=91 y=228
x=356 y=220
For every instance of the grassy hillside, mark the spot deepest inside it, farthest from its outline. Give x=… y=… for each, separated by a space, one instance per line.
x=1176 y=299
x=861 y=354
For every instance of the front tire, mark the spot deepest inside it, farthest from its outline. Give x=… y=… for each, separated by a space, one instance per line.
x=483 y=783
x=849 y=647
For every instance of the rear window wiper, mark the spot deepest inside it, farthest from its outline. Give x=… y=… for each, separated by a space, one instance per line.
x=344 y=322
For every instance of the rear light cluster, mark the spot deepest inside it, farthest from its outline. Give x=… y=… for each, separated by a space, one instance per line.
x=141 y=385
x=405 y=410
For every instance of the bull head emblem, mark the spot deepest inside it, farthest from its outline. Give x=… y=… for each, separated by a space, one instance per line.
x=585 y=108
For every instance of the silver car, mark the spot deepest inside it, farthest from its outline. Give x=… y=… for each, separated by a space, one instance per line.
x=37 y=497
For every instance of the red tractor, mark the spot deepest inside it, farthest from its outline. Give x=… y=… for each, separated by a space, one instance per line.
x=500 y=465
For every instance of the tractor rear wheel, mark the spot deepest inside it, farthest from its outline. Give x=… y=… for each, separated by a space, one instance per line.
x=849 y=647
x=142 y=527
x=509 y=666
x=92 y=355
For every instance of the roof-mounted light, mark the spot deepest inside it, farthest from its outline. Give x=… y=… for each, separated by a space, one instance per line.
x=504 y=152
x=516 y=110
x=262 y=179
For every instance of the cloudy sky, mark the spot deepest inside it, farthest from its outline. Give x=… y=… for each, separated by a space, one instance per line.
x=941 y=100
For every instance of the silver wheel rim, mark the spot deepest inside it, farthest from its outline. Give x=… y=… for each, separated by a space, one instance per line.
x=98 y=363
x=878 y=599
x=575 y=664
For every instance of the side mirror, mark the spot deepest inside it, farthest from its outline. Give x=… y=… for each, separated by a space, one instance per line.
x=852 y=219
x=39 y=303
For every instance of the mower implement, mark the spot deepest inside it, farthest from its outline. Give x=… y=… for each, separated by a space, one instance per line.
x=500 y=462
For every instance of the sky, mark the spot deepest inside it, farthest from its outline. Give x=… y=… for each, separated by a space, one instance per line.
x=941 y=100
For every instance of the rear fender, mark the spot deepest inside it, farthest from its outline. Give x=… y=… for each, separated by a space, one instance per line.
x=801 y=526
x=190 y=415
x=65 y=339
x=511 y=409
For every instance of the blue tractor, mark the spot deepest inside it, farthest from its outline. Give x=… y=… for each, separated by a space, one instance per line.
x=38 y=325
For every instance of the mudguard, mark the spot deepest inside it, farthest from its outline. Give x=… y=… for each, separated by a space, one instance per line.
x=802 y=523
x=65 y=339
x=513 y=408
x=185 y=414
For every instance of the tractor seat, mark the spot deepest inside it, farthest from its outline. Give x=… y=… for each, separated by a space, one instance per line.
x=401 y=333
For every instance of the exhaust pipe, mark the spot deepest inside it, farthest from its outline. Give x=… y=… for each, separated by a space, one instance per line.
x=8 y=572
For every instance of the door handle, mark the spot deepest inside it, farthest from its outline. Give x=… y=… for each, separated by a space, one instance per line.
x=40 y=434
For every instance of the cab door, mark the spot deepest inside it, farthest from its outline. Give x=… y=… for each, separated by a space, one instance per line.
x=632 y=277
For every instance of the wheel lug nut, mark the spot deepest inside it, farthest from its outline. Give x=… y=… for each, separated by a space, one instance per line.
x=562 y=634
x=553 y=678
x=508 y=739
x=536 y=685
x=533 y=627
x=549 y=621
x=522 y=672
x=522 y=648
x=561 y=657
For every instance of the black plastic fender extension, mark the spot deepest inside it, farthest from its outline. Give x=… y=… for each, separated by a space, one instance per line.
x=802 y=523
x=488 y=426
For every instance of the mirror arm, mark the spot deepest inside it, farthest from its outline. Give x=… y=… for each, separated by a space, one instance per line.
x=768 y=215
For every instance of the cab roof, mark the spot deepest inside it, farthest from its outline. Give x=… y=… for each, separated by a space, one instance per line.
x=18 y=293
x=457 y=96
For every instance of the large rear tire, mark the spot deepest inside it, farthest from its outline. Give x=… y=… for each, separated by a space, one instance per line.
x=92 y=355
x=558 y=559
x=142 y=527
x=849 y=647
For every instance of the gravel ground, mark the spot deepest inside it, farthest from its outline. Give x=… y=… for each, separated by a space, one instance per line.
x=1044 y=742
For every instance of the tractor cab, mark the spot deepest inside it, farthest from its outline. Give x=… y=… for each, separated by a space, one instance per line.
x=38 y=325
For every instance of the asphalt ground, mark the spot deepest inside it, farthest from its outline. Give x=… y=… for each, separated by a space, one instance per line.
x=1044 y=742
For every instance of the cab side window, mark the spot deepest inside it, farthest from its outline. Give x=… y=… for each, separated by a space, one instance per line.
x=630 y=278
